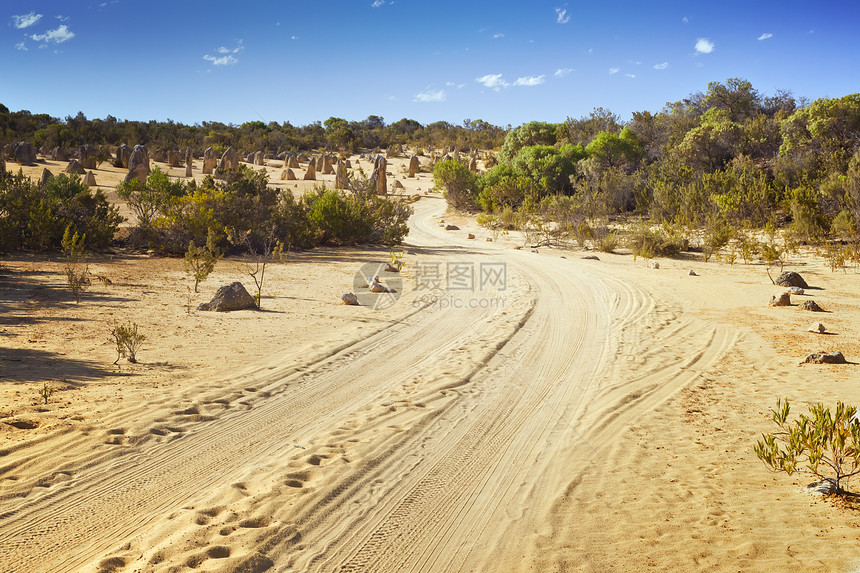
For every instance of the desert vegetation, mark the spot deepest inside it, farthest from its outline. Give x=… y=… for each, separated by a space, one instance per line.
x=712 y=171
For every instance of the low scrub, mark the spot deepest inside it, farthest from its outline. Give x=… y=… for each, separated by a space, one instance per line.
x=823 y=444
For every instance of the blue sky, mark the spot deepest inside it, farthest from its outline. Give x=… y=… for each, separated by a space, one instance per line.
x=503 y=62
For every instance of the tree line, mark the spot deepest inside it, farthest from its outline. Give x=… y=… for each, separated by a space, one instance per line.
x=43 y=130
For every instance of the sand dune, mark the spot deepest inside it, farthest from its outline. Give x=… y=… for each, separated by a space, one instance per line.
x=598 y=416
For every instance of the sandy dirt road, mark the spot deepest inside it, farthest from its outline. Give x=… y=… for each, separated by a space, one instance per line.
x=452 y=439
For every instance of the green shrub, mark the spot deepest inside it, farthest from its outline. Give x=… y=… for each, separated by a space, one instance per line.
x=36 y=217
x=128 y=340
x=649 y=243
x=822 y=444
x=458 y=183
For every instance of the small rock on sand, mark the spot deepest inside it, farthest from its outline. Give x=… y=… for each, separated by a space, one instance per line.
x=795 y=290
x=452 y=228
x=590 y=258
x=817 y=328
x=693 y=273
x=781 y=299
x=471 y=236
x=376 y=286
x=810 y=305
x=654 y=265
x=834 y=357
x=349 y=299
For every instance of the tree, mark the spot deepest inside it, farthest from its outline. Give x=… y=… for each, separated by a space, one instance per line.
x=586 y=128
x=713 y=142
x=200 y=263
x=532 y=133
x=546 y=166
x=615 y=150
x=736 y=96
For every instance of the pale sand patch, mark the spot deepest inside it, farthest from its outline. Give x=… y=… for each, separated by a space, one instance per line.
x=602 y=419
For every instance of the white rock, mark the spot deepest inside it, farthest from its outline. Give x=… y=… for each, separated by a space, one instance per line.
x=795 y=290
x=692 y=273
x=824 y=487
x=816 y=327
x=654 y=265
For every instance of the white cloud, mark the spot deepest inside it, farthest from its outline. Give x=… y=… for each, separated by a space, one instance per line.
x=662 y=66
x=613 y=71
x=222 y=61
x=561 y=72
x=497 y=36
x=562 y=17
x=239 y=47
x=294 y=37
x=26 y=20
x=63 y=18
x=493 y=81
x=58 y=35
x=765 y=36
x=378 y=3
x=530 y=81
x=704 y=46
x=21 y=46
x=431 y=96
x=629 y=75
x=227 y=58
x=685 y=20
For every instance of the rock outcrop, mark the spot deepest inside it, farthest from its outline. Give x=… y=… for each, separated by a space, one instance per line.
x=377 y=178
x=229 y=298
x=229 y=160
x=210 y=161
x=328 y=168
x=341 y=180
x=311 y=173
x=58 y=154
x=174 y=158
x=414 y=166
x=122 y=156
x=45 y=176
x=74 y=166
x=90 y=179
x=24 y=153
x=87 y=156
x=138 y=164
x=790 y=279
